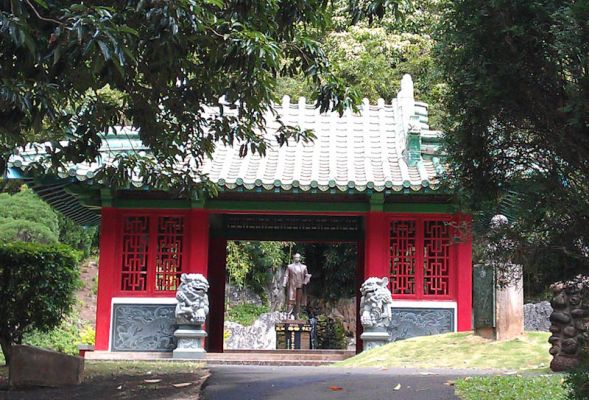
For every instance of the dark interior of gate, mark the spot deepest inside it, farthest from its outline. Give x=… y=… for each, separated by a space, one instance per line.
x=265 y=227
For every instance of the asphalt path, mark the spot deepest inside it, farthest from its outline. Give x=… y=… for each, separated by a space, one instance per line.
x=325 y=383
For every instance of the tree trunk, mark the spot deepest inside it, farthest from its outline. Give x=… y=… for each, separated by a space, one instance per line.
x=6 y=349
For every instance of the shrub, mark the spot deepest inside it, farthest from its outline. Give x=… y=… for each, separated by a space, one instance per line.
x=63 y=338
x=330 y=333
x=577 y=380
x=82 y=238
x=12 y=230
x=24 y=216
x=246 y=314
x=88 y=335
x=37 y=284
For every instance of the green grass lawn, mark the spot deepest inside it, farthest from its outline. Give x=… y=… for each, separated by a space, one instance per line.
x=459 y=350
x=514 y=387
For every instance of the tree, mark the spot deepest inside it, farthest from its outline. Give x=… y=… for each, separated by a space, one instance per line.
x=37 y=284
x=518 y=118
x=82 y=238
x=371 y=58
x=164 y=61
x=251 y=264
x=25 y=217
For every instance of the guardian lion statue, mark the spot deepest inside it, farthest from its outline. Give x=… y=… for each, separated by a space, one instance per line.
x=193 y=301
x=376 y=303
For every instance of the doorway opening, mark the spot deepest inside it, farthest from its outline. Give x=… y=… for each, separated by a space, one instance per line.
x=256 y=298
x=248 y=257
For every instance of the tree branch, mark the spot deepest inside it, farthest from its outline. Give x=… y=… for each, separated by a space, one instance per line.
x=40 y=16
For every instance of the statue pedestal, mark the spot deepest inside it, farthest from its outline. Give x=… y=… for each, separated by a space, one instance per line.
x=293 y=335
x=374 y=338
x=190 y=342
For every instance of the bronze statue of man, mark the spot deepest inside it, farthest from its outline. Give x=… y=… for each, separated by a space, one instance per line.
x=295 y=278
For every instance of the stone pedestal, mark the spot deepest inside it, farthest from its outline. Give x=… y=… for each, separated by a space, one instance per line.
x=293 y=335
x=190 y=342
x=372 y=338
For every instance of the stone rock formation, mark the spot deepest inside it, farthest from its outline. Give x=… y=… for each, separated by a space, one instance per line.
x=258 y=336
x=570 y=322
x=537 y=316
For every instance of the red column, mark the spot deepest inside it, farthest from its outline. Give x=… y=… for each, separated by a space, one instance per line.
x=359 y=280
x=376 y=256
x=199 y=242
x=107 y=276
x=464 y=275
x=216 y=277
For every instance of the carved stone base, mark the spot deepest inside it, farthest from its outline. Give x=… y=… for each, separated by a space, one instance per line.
x=190 y=342
x=374 y=338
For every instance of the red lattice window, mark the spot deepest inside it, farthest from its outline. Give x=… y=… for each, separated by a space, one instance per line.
x=436 y=258
x=135 y=253
x=170 y=235
x=152 y=248
x=421 y=258
x=403 y=257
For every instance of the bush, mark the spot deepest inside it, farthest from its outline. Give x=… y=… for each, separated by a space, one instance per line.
x=37 y=284
x=330 y=333
x=577 y=380
x=25 y=217
x=21 y=230
x=64 y=338
x=82 y=238
x=246 y=314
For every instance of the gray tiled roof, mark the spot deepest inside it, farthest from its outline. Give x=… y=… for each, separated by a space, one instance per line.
x=358 y=151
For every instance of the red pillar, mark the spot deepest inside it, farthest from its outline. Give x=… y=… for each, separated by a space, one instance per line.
x=464 y=275
x=199 y=242
x=359 y=280
x=107 y=277
x=216 y=277
x=376 y=256
x=375 y=252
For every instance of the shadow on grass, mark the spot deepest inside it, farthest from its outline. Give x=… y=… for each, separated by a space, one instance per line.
x=122 y=380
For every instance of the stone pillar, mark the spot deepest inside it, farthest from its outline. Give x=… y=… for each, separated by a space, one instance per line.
x=570 y=323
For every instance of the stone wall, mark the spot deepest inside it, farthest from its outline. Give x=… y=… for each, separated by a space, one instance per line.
x=537 y=316
x=570 y=322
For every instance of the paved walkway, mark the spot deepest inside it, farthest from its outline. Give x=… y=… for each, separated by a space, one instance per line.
x=319 y=383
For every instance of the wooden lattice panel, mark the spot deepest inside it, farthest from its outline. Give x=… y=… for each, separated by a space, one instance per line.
x=403 y=257
x=134 y=254
x=436 y=258
x=170 y=249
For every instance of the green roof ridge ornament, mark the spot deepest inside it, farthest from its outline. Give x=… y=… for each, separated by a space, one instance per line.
x=413 y=146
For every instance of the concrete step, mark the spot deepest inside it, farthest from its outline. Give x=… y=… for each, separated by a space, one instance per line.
x=238 y=357
x=277 y=363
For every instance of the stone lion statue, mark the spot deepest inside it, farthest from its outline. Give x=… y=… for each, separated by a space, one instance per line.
x=193 y=301
x=375 y=304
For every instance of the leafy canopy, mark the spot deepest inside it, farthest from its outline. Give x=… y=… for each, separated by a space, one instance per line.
x=76 y=70
x=518 y=119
